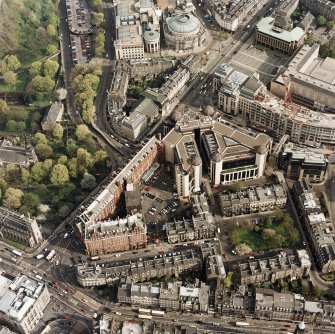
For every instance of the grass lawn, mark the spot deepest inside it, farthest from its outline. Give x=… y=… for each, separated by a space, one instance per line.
x=14 y=243
x=256 y=241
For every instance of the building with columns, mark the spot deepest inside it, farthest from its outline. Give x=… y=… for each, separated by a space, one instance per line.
x=226 y=152
x=270 y=34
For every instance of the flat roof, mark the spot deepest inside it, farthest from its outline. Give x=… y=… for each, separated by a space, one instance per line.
x=265 y=26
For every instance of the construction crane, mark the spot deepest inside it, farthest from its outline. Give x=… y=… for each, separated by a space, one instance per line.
x=287 y=96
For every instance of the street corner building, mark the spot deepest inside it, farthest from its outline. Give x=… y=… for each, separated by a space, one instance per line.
x=22 y=302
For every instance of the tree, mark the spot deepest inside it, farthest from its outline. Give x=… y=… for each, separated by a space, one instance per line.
x=21 y=126
x=62 y=160
x=11 y=125
x=268 y=233
x=9 y=78
x=43 y=151
x=31 y=201
x=12 y=198
x=57 y=133
x=51 y=49
x=35 y=69
x=330 y=24
x=84 y=160
x=88 y=181
x=50 y=68
x=243 y=249
x=12 y=172
x=51 y=30
x=279 y=215
x=59 y=175
x=38 y=172
x=82 y=132
x=73 y=168
x=42 y=84
x=236 y=186
x=40 y=138
x=100 y=157
x=25 y=176
x=64 y=210
x=3 y=66
x=3 y=106
x=321 y=20
x=12 y=63
x=227 y=281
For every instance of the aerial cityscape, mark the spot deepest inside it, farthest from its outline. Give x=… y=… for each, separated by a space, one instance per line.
x=167 y=166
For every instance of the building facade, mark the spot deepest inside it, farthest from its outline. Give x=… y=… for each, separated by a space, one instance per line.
x=140 y=270
x=253 y=199
x=19 y=228
x=317 y=229
x=22 y=302
x=310 y=80
x=231 y=14
x=199 y=227
x=274 y=37
x=301 y=163
x=113 y=236
x=117 y=93
x=170 y=296
x=137 y=29
x=271 y=269
x=104 y=203
x=248 y=97
x=226 y=152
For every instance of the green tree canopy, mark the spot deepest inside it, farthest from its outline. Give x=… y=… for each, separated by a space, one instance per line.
x=12 y=198
x=43 y=151
x=42 y=84
x=59 y=175
x=12 y=63
x=9 y=78
x=40 y=138
x=50 y=68
x=57 y=133
x=82 y=132
x=88 y=181
x=321 y=20
x=35 y=69
x=51 y=49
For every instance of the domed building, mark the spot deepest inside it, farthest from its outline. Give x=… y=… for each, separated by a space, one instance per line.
x=183 y=32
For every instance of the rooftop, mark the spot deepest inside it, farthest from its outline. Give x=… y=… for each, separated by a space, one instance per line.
x=265 y=26
x=18 y=295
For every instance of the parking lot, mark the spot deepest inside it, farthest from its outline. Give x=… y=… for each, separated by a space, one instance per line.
x=78 y=18
x=263 y=62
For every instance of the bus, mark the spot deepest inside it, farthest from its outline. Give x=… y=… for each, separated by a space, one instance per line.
x=16 y=252
x=145 y=316
x=39 y=256
x=38 y=277
x=158 y=313
x=95 y=258
x=51 y=255
x=144 y=311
